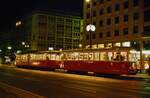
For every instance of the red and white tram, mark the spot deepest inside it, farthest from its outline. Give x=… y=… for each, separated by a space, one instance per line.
x=38 y=59
x=115 y=61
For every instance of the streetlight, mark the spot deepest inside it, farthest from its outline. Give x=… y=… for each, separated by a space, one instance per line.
x=87 y=1
x=23 y=43
x=90 y=27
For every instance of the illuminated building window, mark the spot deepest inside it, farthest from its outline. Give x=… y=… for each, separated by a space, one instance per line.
x=117 y=44
x=94 y=46
x=126 y=44
x=100 y=45
x=109 y=45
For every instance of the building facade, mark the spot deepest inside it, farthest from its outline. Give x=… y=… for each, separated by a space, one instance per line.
x=48 y=30
x=119 y=23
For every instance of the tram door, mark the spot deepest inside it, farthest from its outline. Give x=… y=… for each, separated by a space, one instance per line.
x=120 y=56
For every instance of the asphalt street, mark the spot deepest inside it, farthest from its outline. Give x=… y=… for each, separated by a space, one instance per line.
x=49 y=84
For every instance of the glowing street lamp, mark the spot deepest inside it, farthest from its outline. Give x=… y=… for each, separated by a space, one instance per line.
x=9 y=48
x=87 y=1
x=23 y=43
x=90 y=28
x=0 y=50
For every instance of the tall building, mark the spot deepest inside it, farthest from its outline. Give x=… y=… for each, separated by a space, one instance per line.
x=47 y=30
x=119 y=23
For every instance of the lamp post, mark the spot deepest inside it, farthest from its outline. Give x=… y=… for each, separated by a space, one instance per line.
x=90 y=27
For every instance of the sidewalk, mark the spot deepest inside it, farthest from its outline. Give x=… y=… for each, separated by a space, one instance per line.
x=140 y=76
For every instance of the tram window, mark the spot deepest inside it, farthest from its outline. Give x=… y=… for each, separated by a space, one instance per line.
x=52 y=57
x=134 y=57
x=96 y=56
x=124 y=55
x=24 y=58
x=90 y=56
x=67 y=56
x=46 y=56
x=57 y=57
x=119 y=57
x=110 y=56
x=75 y=56
x=103 y=56
x=81 y=56
x=32 y=57
x=85 y=57
x=40 y=57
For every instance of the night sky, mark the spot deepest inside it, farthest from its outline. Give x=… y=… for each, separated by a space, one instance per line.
x=11 y=9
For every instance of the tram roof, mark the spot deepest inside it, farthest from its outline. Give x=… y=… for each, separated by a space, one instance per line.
x=79 y=50
x=103 y=49
x=36 y=51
